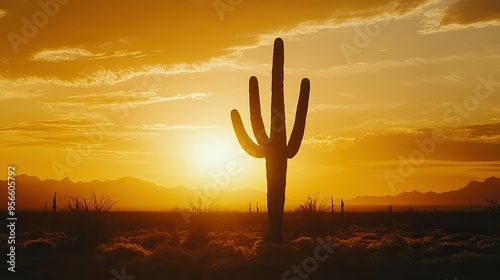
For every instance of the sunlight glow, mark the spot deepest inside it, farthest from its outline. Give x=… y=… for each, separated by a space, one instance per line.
x=214 y=153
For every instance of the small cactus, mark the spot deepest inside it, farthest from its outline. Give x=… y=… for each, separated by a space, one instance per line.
x=54 y=203
x=274 y=148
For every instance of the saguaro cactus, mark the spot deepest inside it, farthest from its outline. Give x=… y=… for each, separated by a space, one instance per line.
x=54 y=203
x=274 y=148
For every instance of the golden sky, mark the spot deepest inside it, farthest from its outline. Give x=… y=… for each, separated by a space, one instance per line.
x=93 y=89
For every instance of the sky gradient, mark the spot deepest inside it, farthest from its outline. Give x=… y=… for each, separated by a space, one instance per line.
x=404 y=94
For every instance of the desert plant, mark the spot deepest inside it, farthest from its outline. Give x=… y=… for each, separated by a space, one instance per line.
x=313 y=204
x=494 y=207
x=89 y=228
x=92 y=205
x=54 y=203
x=274 y=147
x=197 y=204
x=196 y=211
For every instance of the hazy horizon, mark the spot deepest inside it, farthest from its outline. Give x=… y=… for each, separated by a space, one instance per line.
x=146 y=89
x=133 y=194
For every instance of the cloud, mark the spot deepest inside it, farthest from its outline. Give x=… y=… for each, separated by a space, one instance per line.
x=449 y=78
x=469 y=143
x=121 y=99
x=3 y=13
x=55 y=125
x=384 y=65
x=63 y=54
x=463 y=14
x=486 y=132
x=71 y=54
x=355 y=107
x=106 y=77
x=166 y=127
x=155 y=25
x=329 y=142
x=468 y=12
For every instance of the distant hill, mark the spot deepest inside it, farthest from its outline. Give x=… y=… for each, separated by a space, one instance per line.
x=131 y=194
x=135 y=194
x=474 y=193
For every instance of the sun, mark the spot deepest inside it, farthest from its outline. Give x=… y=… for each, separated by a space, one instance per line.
x=213 y=152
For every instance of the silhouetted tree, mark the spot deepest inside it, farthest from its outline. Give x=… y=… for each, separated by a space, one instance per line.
x=274 y=147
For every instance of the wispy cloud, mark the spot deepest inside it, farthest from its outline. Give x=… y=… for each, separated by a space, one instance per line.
x=462 y=14
x=472 y=143
x=484 y=132
x=64 y=54
x=55 y=125
x=355 y=107
x=11 y=86
x=71 y=54
x=159 y=126
x=121 y=99
x=3 y=13
x=383 y=65
x=165 y=17
x=330 y=142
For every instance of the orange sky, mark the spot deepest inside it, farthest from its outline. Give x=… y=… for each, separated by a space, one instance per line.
x=94 y=89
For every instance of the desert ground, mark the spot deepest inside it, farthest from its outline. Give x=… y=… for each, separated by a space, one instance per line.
x=232 y=245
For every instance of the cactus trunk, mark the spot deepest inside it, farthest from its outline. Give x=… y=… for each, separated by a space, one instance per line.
x=276 y=184
x=54 y=203
x=274 y=148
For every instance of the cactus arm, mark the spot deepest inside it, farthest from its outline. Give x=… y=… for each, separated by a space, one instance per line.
x=300 y=120
x=246 y=143
x=278 y=98
x=258 y=127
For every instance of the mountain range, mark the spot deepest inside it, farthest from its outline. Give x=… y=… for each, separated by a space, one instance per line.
x=135 y=194
x=474 y=193
x=131 y=194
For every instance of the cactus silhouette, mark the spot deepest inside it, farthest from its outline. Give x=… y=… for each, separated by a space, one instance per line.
x=54 y=203
x=274 y=147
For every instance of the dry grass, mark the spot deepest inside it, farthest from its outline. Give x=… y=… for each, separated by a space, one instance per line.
x=235 y=250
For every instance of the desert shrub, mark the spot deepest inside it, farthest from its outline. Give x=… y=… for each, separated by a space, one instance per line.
x=494 y=207
x=122 y=250
x=92 y=205
x=197 y=213
x=173 y=258
x=313 y=204
x=88 y=224
x=312 y=215
x=274 y=254
x=38 y=246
